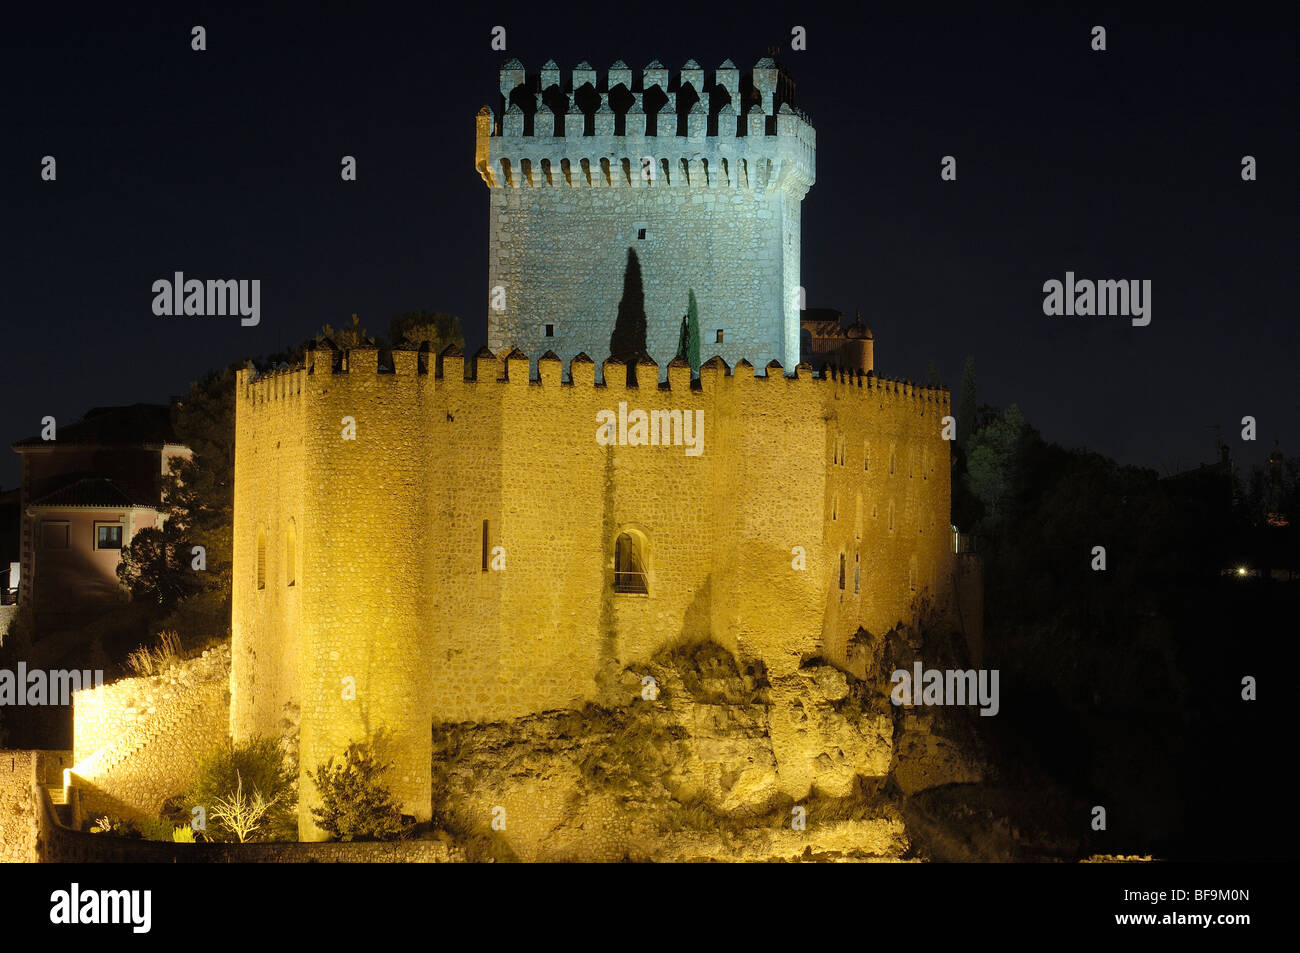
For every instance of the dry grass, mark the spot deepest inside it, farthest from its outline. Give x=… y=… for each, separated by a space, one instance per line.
x=156 y=660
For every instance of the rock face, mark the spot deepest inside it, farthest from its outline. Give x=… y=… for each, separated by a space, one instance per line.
x=706 y=763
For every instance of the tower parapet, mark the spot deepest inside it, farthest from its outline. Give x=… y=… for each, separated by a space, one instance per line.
x=599 y=130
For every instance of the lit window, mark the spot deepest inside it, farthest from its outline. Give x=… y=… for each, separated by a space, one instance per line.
x=108 y=536
x=629 y=565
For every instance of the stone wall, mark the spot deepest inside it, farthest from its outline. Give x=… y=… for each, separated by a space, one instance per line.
x=390 y=598
x=22 y=773
x=138 y=741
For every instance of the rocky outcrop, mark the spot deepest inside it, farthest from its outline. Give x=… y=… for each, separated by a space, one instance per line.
x=704 y=762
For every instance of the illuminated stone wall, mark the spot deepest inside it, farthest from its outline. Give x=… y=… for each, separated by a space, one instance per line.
x=390 y=590
x=139 y=741
x=702 y=178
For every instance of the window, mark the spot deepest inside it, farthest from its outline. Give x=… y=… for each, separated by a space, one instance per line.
x=718 y=339
x=108 y=535
x=485 y=545
x=54 y=535
x=857 y=571
x=261 y=559
x=629 y=565
x=290 y=562
x=550 y=330
x=640 y=234
x=841 y=571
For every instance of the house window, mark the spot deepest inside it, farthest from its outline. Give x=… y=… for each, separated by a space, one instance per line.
x=54 y=535
x=108 y=535
x=290 y=563
x=550 y=330
x=718 y=339
x=629 y=565
x=261 y=559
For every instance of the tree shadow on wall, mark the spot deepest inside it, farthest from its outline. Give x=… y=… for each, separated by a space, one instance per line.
x=627 y=341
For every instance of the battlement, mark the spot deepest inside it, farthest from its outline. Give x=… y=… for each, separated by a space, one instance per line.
x=451 y=367
x=655 y=129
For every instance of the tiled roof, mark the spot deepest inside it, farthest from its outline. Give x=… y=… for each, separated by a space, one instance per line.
x=90 y=491
x=135 y=425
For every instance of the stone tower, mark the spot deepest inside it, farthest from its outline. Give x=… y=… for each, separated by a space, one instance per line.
x=703 y=180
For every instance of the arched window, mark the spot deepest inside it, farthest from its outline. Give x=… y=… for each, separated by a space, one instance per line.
x=629 y=564
x=290 y=560
x=261 y=559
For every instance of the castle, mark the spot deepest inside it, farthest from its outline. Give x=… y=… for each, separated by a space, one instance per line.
x=423 y=537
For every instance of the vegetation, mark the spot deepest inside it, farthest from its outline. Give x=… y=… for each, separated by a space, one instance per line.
x=233 y=780
x=151 y=661
x=356 y=804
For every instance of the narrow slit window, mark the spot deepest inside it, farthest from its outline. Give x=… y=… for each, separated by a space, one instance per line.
x=485 y=545
x=550 y=330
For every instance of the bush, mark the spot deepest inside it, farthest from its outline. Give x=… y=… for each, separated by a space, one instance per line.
x=356 y=804
x=112 y=824
x=236 y=772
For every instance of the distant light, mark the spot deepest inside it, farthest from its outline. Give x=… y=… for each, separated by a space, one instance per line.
x=1241 y=570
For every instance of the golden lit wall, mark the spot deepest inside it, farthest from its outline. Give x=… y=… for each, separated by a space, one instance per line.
x=391 y=590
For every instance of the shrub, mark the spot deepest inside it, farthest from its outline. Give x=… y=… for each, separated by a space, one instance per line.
x=183 y=835
x=234 y=773
x=355 y=802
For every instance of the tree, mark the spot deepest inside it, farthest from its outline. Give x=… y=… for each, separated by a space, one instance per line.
x=627 y=340
x=966 y=419
x=688 y=346
x=345 y=337
x=932 y=378
x=355 y=802
x=439 y=330
x=994 y=463
x=154 y=568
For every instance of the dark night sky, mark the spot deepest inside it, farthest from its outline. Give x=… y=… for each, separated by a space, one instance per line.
x=1122 y=164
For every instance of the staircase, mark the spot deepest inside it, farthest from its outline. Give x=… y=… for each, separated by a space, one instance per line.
x=59 y=800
